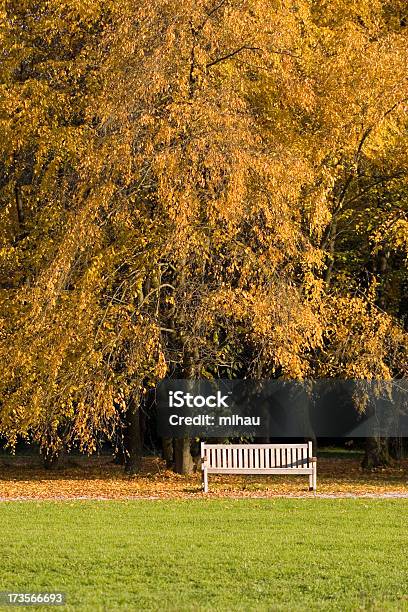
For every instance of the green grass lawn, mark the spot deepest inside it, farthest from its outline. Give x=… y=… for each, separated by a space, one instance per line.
x=282 y=554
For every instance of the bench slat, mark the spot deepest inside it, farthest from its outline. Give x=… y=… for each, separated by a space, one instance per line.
x=256 y=457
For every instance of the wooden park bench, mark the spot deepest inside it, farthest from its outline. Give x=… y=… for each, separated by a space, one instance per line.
x=258 y=459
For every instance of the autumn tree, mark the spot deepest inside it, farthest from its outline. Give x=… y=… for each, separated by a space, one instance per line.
x=177 y=179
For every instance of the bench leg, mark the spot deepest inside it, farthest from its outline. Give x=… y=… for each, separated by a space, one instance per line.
x=313 y=477
x=205 y=480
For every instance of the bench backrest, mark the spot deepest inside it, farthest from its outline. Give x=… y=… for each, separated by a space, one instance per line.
x=262 y=456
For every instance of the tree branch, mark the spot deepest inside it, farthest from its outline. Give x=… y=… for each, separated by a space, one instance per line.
x=216 y=8
x=210 y=14
x=232 y=54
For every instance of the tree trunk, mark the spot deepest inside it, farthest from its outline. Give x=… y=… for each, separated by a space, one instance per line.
x=382 y=271
x=331 y=250
x=183 y=461
x=168 y=452
x=376 y=453
x=396 y=448
x=19 y=207
x=313 y=439
x=133 y=439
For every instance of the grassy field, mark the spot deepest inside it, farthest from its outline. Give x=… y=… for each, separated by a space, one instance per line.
x=281 y=554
